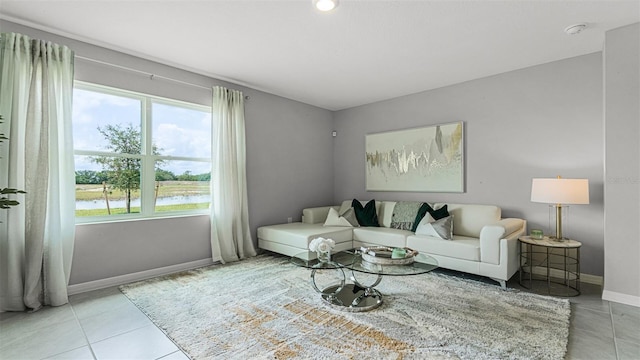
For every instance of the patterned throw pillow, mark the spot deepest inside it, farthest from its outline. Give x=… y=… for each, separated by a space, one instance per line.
x=404 y=215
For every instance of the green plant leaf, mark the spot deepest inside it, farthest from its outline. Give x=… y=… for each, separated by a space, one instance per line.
x=11 y=191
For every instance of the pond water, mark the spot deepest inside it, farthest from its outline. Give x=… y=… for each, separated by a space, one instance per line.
x=170 y=200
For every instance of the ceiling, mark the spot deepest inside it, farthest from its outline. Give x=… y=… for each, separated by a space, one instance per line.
x=362 y=52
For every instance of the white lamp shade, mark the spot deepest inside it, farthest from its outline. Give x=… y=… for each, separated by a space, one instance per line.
x=560 y=191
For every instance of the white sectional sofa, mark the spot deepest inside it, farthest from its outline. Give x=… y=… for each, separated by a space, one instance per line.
x=483 y=243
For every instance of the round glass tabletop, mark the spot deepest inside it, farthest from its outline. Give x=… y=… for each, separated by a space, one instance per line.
x=352 y=260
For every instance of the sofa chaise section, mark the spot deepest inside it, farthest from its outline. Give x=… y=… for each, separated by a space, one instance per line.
x=294 y=238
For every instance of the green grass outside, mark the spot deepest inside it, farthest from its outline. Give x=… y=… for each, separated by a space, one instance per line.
x=94 y=192
x=136 y=210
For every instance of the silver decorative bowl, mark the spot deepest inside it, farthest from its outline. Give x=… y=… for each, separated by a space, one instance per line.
x=382 y=255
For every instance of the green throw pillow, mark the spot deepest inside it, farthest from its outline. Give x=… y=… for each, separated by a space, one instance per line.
x=424 y=209
x=435 y=214
x=440 y=213
x=366 y=215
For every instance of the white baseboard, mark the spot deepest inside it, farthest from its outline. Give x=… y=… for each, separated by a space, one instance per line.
x=142 y=275
x=591 y=279
x=557 y=273
x=621 y=298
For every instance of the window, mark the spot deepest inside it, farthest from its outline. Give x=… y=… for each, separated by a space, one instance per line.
x=138 y=155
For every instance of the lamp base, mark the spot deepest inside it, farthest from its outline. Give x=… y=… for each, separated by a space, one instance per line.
x=557 y=216
x=557 y=239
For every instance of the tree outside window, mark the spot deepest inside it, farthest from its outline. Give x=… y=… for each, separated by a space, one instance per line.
x=137 y=155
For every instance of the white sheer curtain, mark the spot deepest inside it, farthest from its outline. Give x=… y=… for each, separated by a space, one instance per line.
x=36 y=237
x=230 y=234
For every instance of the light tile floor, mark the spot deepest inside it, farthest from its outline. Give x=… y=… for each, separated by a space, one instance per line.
x=101 y=324
x=104 y=324
x=600 y=329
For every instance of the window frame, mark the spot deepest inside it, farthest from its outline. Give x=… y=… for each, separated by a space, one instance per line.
x=147 y=172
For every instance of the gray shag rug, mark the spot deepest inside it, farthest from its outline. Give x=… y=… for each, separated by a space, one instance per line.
x=266 y=308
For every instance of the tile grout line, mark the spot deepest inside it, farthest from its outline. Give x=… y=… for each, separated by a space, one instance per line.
x=613 y=330
x=83 y=332
x=150 y=324
x=113 y=335
x=90 y=344
x=157 y=327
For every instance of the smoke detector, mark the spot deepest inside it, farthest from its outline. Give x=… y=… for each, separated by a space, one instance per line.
x=575 y=29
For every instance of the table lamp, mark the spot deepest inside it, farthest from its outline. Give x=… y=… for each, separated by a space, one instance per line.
x=560 y=192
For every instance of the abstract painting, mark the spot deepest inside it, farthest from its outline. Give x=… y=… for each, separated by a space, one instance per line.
x=429 y=159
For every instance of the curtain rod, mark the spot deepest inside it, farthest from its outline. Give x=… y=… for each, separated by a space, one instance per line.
x=150 y=75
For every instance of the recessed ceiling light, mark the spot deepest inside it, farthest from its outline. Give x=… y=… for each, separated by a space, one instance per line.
x=325 y=5
x=574 y=29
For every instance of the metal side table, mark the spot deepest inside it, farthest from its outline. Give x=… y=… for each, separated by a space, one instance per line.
x=550 y=267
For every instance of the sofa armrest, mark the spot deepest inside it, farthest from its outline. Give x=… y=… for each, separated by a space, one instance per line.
x=490 y=237
x=317 y=214
x=514 y=228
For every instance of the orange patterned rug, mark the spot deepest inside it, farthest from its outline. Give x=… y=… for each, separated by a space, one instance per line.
x=265 y=308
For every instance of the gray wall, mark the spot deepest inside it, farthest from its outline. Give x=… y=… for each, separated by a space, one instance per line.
x=541 y=121
x=289 y=166
x=622 y=159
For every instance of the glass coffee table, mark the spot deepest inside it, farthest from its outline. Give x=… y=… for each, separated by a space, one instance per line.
x=353 y=294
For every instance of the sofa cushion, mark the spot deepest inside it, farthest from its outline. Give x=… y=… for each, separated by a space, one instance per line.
x=300 y=234
x=316 y=215
x=381 y=236
x=462 y=247
x=366 y=215
x=346 y=219
x=469 y=219
x=385 y=212
x=442 y=228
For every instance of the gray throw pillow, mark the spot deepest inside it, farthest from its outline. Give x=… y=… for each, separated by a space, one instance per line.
x=350 y=216
x=442 y=228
